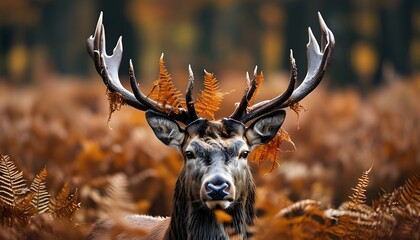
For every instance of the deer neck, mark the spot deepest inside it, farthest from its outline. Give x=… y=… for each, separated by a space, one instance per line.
x=193 y=220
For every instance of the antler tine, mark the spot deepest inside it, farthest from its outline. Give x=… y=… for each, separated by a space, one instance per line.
x=182 y=115
x=188 y=96
x=251 y=86
x=108 y=66
x=318 y=61
x=267 y=106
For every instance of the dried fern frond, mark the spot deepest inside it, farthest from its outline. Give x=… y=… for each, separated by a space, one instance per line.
x=410 y=193
x=297 y=108
x=117 y=204
x=297 y=208
x=63 y=206
x=269 y=151
x=116 y=101
x=12 y=184
x=17 y=216
x=118 y=201
x=358 y=196
x=209 y=99
x=164 y=91
x=350 y=224
x=400 y=210
x=395 y=215
x=41 y=197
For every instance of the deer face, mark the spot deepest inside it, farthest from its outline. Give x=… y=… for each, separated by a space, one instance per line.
x=215 y=153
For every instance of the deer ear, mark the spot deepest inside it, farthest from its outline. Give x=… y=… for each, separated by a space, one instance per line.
x=165 y=129
x=265 y=128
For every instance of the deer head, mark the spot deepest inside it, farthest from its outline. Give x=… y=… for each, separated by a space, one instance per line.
x=215 y=174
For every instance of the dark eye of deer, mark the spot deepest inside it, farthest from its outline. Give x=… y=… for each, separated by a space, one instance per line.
x=189 y=155
x=244 y=154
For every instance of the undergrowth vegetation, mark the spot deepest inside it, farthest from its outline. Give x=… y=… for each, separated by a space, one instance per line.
x=61 y=127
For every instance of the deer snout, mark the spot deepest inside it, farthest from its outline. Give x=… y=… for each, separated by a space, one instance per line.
x=217 y=191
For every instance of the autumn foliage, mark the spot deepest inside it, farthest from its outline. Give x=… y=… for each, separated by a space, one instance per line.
x=61 y=127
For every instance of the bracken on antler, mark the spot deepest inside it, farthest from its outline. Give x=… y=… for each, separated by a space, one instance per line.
x=269 y=150
x=164 y=91
x=209 y=100
x=116 y=101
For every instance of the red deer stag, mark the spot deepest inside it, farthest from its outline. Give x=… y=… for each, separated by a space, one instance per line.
x=215 y=173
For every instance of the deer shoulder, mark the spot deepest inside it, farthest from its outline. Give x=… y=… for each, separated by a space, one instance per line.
x=141 y=227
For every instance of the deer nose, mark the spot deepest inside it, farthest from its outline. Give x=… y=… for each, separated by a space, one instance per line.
x=217 y=189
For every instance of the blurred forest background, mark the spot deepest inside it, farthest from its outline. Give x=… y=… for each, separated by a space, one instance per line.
x=374 y=37
x=53 y=107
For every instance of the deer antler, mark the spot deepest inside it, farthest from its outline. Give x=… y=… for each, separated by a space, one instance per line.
x=318 y=60
x=107 y=66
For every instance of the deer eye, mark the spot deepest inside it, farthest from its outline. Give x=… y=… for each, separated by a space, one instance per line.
x=244 y=154
x=189 y=155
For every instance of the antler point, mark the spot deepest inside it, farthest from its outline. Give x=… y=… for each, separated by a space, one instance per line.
x=190 y=70
x=311 y=36
x=322 y=23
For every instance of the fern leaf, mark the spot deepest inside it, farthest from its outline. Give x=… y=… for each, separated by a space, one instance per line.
x=164 y=91
x=41 y=196
x=209 y=100
x=297 y=108
x=12 y=183
x=17 y=216
x=24 y=204
x=410 y=192
x=400 y=210
x=358 y=196
x=269 y=150
x=64 y=205
x=117 y=202
x=116 y=101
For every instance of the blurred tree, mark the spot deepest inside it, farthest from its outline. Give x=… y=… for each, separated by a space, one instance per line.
x=42 y=36
x=395 y=37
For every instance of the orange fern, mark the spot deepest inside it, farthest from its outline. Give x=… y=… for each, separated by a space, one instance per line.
x=12 y=183
x=164 y=91
x=116 y=101
x=41 y=196
x=64 y=205
x=18 y=204
x=269 y=151
x=297 y=108
x=358 y=196
x=209 y=100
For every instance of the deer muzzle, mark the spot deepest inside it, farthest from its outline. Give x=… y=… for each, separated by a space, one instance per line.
x=217 y=191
